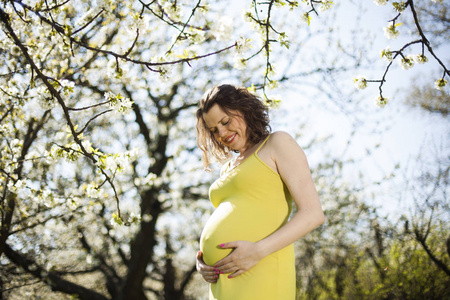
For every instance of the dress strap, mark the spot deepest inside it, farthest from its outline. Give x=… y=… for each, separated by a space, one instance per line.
x=262 y=144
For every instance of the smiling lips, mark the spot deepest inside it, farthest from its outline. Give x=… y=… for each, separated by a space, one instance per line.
x=230 y=138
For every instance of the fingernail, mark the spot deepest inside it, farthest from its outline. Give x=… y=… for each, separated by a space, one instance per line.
x=221 y=245
x=217 y=276
x=229 y=276
x=221 y=272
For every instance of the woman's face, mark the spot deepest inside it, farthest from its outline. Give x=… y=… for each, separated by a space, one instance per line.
x=229 y=130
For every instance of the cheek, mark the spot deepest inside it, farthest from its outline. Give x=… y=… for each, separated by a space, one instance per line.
x=241 y=125
x=215 y=136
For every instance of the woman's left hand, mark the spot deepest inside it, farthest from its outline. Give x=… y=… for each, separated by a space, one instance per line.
x=244 y=256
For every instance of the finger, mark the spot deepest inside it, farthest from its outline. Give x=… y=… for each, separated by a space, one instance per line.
x=211 y=278
x=229 y=245
x=226 y=260
x=209 y=273
x=202 y=266
x=235 y=274
x=229 y=269
x=205 y=268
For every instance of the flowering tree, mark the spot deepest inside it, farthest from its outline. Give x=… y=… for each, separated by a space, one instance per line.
x=405 y=60
x=98 y=170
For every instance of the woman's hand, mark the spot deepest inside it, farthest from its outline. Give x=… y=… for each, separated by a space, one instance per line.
x=209 y=273
x=244 y=256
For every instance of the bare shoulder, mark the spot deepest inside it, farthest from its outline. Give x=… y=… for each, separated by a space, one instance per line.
x=281 y=151
x=281 y=141
x=285 y=150
x=280 y=137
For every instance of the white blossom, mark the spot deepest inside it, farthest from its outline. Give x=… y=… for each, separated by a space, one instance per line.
x=239 y=63
x=325 y=5
x=6 y=129
x=380 y=2
x=305 y=17
x=133 y=218
x=67 y=83
x=46 y=198
x=273 y=101
x=387 y=54
x=109 y=95
x=172 y=11
x=165 y=71
x=17 y=187
x=197 y=37
x=243 y=45
x=399 y=6
x=381 y=101
x=89 y=259
x=406 y=62
x=92 y=190
x=391 y=32
x=54 y=151
x=110 y=164
x=140 y=23
x=46 y=102
x=360 y=82
x=147 y=218
x=148 y=180
x=118 y=103
x=222 y=29
x=440 y=84
x=132 y=155
x=419 y=58
x=16 y=147
x=14 y=50
x=116 y=220
x=86 y=145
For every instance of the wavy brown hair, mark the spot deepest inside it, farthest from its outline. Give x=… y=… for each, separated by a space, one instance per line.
x=231 y=98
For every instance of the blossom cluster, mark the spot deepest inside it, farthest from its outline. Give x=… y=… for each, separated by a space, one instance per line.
x=222 y=28
x=118 y=103
x=381 y=101
x=325 y=5
x=10 y=153
x=70 y=152
x=360 y=82
x=117 y=162
x=242 y=46
x=391 y=31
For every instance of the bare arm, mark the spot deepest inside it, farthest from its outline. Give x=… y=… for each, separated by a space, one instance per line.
x=292 y=165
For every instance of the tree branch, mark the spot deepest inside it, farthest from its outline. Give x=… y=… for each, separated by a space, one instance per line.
x=52 y=279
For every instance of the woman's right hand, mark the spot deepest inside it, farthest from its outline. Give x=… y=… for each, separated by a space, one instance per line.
x=209 y=273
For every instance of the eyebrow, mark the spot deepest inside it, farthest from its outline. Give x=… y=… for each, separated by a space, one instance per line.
x=218 y=122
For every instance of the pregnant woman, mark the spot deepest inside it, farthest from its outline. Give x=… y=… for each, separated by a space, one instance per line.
x=246 y=249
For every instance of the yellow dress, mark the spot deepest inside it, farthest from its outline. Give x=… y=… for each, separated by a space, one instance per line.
x=251 y=202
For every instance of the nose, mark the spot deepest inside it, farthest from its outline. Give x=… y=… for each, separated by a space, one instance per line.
x=221 y=130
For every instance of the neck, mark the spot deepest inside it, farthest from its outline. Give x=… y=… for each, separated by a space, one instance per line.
x=248 y=147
